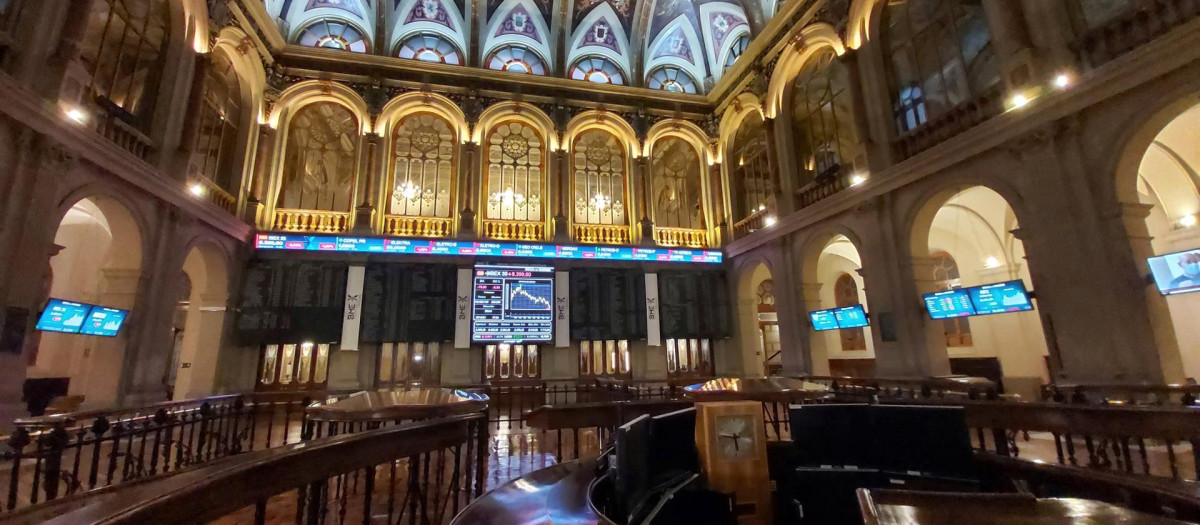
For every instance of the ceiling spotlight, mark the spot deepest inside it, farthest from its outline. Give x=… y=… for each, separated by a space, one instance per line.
x=76 y=115
x=1062 y=81
x=857 y=179
x=991 y=262
x=1019 y=101
x=1187 y=221
x=198 y=189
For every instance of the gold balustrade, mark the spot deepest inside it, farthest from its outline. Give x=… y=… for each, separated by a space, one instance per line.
x=514 y=230
x=213 y=193
x=688 y=237
x=314 y=221
x=602 y=234
x=750 y=224
x=416 y=226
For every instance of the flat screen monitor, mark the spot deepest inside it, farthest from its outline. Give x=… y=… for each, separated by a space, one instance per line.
x=673 y=445
x=931 y=440
x=631 y=480
x=1000 y=298
x=949 y=304
x=851 y=317
x=104 y=321
x=823 y=320
x=1176 y=273
x=63 y=316
x=832 y=435
x=512 y=304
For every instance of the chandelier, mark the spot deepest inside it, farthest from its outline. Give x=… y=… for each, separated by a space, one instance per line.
x=600 y=202
x=507 y=198
x=408 y=190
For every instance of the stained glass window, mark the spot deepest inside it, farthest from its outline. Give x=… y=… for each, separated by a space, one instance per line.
x=515 y=155
x=123 y=49
x=422 y=167
x=319 y=162
x=331 y=33
x=599 y=70
x=599 y=179
x=429 y=48
x=738 y=48
x=822 y=117
x=516 y=59
x=675 y=175
x=671 y=79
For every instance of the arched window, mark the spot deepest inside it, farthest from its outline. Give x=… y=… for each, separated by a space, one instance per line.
x=823 y=118
x=598 y=184
x=845 y=293
x=218 y=129
x=429 y=48
x=515 y=154
x=1092 y=14
x=599 y=70
x=675 y=174
x=738 y=48
x=124 y=50
x=671 y=79
x=516 y=59
x=940 y=56
x=945 y=274
x=330 y=33
x=751 y=170
x=319 y=162
x=422 y=167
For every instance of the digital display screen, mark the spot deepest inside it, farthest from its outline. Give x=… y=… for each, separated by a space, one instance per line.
x=63 y=316
x=949 y=304
x=823 y=320
x=1176 y=273
x=851 y=317
x=512 y=304
x=1000 y=298
x=104 y=322
x=312 y=243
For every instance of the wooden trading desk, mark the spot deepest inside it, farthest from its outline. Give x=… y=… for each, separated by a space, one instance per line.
x=896 y=507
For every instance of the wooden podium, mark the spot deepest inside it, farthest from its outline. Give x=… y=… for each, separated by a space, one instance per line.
x=731 y=440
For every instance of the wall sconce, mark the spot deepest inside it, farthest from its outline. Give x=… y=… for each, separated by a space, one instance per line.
x=75 y=114
x=1187 y=221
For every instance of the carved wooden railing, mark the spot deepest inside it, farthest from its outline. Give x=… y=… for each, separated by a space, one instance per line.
x=1135 y=28
x=602 y=233
x=311 y=221
x=687 y=237
x=107 y=122
x=818 y=191
x=514 y=230
x=1121 y=394
x=750 y=224
x=959 y=119
x=510 y=400
x=417 y=226
x=415 y=472
x=51 y=457
x=214 y=193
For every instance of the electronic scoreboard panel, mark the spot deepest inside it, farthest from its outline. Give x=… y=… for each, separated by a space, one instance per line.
x=512 y=304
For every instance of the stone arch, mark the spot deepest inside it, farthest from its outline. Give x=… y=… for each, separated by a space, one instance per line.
x=817 y=38
x=863 y=22
x=304 y=93
x=421 y=101
x=207 y=267
x=821 y=259
x=597 y=119
x=515 y=110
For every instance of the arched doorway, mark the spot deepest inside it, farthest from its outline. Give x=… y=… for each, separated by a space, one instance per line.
x=757 y=322
x=98 y=261
x=963 y=238
x=831 y=280
x=1168 y=195
x=203 y=323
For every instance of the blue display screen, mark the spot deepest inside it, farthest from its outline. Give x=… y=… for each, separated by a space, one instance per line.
x=311 y=243
x=949 y=304
x=823 y=320
x=851 y=317
x=1000 y=298
x=512 y=304
x=104 y=322
x=63 y=316
x=1176 y=273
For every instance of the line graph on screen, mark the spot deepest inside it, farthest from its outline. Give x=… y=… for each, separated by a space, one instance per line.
x=526 y=296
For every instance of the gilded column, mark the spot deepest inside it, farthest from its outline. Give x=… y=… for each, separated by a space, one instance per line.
x=783 y=190
x=365 y=213
x=721 y=226
x=642 y=175
x=259 y=176
x=194 y=116
x=466 y=216
x=562 y=181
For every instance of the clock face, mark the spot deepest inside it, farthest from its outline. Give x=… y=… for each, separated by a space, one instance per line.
x=735 y=437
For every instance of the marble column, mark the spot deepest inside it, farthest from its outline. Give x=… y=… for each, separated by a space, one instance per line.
x=561 y=186
x=259 y=178
x=364 y=214
x=641 y=169
x=719 y=232
x=815 y=347
x=784 y=189
x=1010 y=39
x=466 y=215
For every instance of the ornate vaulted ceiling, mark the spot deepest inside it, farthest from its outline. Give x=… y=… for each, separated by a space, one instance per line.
x=676 y=45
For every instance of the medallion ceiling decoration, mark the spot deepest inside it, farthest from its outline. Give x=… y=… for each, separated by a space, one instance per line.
x=686 y=45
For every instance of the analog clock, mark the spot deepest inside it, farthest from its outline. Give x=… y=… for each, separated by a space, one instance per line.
x=735 y=437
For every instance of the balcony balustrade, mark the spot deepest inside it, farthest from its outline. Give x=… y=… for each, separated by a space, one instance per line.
x=417 y=226
x=602 y=234
x=514 y=230
x=750 y=224
x=1133 y=29
x=214 y=193
x=311 y=221
x=685 y=237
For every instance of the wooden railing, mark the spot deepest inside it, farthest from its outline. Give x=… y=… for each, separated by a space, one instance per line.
x=602 y=233
x=818 y=191
x=1121 y=394
x=510 y=401
x=312 y=221
x=959 y=119
x=214 y=193
x=54 y=456
x=687 y=237
x=1133 y=29
x=750 y=224
x=417 y=472
x=514 y=230
x=417 y=226
x=109 y=124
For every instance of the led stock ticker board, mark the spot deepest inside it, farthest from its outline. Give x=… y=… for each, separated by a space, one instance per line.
x=512 y=304
x=338 y=244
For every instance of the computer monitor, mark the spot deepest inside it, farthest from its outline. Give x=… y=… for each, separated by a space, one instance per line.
x=673 y=445
x=849 y=317
x=1176 y=273
x=63 y=316
x=930 y=440
x=834 y=435
x=949 y=304
x=823 y=320
x=1000 y=298
x=631 y=480
x=104 y=321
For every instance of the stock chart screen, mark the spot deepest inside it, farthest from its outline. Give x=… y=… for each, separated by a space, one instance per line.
x=512 y=304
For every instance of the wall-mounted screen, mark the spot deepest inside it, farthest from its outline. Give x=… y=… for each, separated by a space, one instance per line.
x=63 y=316
x=104 y=322
x=512 y=303
x=1176 y=273
x=851 y=317
x=1000 y=298
x=823 y=320
x=949 y=304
